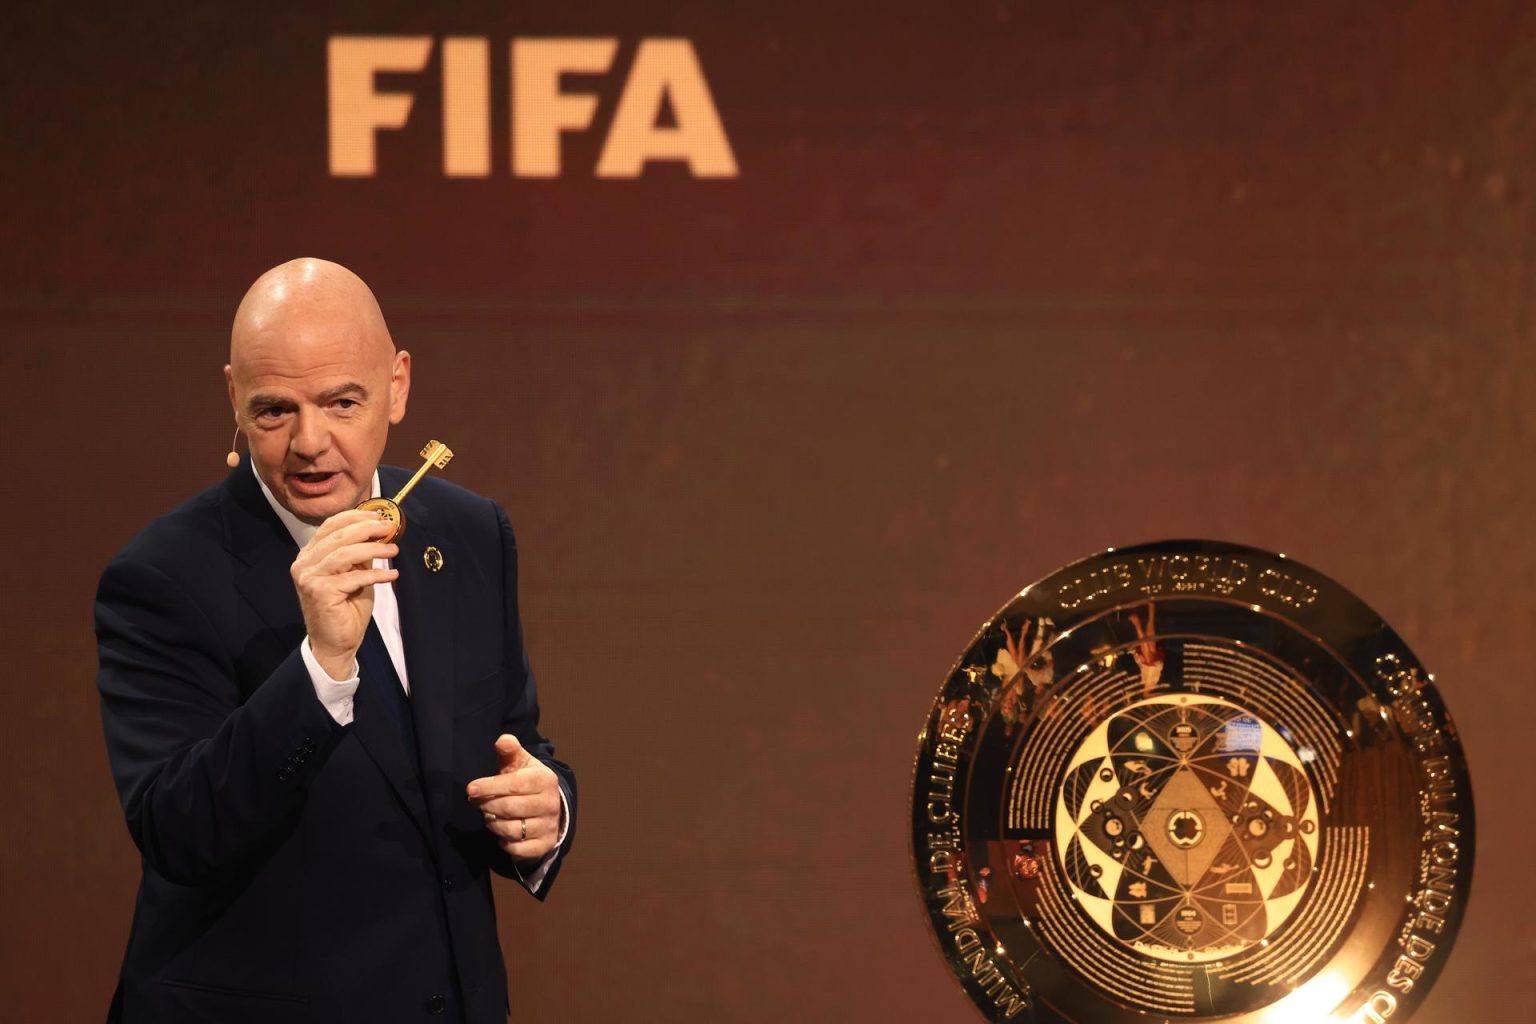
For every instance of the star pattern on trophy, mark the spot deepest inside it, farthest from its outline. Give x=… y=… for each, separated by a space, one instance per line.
x=1188 y=828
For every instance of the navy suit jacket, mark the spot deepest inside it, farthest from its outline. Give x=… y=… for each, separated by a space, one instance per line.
x=294 y=869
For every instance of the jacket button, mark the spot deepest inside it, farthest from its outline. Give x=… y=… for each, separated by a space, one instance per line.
x=448 y=884
x=437 y=1004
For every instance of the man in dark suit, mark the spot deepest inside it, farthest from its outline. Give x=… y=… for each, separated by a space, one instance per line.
x=323 y=743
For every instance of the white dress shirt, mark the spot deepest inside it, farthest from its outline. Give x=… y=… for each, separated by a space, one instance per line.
x=337 y=694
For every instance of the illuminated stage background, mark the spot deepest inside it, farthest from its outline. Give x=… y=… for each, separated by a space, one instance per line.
x=999 y=285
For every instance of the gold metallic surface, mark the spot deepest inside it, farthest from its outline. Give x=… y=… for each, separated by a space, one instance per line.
x=389 y=511
x=436 y=455
x=1191 y=780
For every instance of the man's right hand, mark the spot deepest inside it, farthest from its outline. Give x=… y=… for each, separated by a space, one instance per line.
x=334 y=577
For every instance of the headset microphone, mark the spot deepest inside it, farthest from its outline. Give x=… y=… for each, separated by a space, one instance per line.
x=233 y=458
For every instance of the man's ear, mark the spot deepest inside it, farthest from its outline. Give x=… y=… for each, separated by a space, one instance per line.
x=229 y=382
x=399 y=386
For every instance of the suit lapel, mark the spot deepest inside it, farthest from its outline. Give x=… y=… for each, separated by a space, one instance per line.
x=264 y=550
x=376 y=724
x=426 y=627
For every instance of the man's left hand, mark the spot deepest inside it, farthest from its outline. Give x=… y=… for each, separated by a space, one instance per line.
x=521 y=802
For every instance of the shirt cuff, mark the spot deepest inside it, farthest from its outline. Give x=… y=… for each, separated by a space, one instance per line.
x=532 y=880
x=335 y=694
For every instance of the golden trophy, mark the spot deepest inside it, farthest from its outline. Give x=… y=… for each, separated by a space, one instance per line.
x=1191 y=781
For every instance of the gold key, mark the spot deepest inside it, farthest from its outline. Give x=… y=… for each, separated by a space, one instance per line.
x=436 y=454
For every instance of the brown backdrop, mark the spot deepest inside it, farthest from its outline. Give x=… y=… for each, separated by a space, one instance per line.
x=999 y=285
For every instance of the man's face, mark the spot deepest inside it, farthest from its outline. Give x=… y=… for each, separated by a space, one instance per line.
x=315 y=392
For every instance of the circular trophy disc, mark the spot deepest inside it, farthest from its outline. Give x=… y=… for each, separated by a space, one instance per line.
x=1191 y=780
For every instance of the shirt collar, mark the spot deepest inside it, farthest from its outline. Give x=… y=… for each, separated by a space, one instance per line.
x=297 y=528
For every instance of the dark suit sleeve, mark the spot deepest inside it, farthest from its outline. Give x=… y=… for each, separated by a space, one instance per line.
x=522 y=710
x=208 y=783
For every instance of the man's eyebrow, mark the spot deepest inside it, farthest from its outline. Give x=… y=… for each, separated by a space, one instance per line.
x=261 y=401
x=342 y=391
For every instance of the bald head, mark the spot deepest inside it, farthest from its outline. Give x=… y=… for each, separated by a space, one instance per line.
x=315 y=382
x=301 y=292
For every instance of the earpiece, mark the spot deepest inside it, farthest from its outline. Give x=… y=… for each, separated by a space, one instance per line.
x=233 y=458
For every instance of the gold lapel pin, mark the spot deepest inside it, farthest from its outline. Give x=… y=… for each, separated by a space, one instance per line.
x=432 y=558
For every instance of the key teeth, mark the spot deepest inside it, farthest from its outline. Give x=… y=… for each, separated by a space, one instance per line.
x=443 y=456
